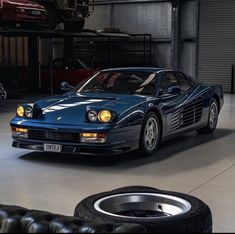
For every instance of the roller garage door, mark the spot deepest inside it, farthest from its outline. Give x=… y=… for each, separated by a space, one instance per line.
x=217 y=41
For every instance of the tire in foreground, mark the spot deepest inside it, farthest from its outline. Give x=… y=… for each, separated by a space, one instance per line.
x=156 y=210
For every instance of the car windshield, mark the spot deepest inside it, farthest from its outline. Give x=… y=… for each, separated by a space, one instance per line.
x=120 y=82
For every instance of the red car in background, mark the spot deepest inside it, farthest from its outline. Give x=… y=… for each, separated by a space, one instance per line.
x=72 y=71
x=21 y=11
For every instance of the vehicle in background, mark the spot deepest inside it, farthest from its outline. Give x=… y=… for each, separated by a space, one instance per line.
x=3 y=94
x=21 y=12
x=70 y=12
x=71 y=70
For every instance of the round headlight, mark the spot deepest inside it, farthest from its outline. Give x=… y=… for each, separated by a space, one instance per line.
x=105 y=116
x=92 y=115
x=29 y=112
x=20 y=111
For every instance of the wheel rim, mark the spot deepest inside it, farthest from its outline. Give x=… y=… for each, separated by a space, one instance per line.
x=213 y=115
x=142 y=205
x=151 y=134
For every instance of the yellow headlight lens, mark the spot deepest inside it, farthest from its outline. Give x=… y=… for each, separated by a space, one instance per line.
x=20 y=111
x=105 y=116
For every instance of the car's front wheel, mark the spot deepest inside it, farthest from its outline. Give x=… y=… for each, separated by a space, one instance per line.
x=150 y=135
x=213 y=118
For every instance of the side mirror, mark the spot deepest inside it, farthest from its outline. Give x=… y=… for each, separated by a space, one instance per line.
x=65 y=86
x=174 y=90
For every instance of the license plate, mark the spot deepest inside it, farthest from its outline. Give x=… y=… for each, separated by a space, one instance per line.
x=36 y=12
x=52 y=148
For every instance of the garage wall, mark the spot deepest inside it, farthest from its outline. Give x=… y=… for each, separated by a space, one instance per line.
x=133 y=16
x=149 y=17
x=189 y=19
x=217 y=41
x=153 y=17
x=13 y=51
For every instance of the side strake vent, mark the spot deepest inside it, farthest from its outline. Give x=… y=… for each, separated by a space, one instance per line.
x=188 y=115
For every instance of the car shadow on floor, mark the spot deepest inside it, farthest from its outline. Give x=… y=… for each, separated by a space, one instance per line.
x=169 y=150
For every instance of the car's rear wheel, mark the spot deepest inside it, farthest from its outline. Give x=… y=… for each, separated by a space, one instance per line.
x=212 y=119
x=150 y=135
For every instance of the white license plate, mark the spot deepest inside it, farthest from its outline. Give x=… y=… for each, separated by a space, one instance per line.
x=35 y=12
x=52 y=148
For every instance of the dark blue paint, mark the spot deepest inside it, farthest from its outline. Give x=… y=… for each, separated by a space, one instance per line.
x=67 y=113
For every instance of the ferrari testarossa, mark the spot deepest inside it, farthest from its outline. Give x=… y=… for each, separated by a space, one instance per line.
x=118 y=110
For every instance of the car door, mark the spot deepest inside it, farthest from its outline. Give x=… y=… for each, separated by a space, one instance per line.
x=171 y=103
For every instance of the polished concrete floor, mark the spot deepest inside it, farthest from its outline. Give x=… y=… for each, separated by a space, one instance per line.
x=200 y=165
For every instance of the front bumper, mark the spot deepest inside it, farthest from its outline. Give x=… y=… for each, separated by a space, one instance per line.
x=23 y=18
x=119 y=140
x=85 y=149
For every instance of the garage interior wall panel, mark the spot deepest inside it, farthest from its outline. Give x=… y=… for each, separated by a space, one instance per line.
x=100 y=18
x=189 y=30
x=143 y=17
x=217 y=41
x=188 y=58
x=13 y=51
x=189 y=19
x=154 y=18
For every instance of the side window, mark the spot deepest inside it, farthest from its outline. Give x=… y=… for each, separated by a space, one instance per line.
x=185 y=85
x=168 y=80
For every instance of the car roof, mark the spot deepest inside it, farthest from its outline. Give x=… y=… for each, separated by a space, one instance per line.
x=142 y=69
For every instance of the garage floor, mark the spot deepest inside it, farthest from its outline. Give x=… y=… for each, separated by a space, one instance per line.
x=201 y=165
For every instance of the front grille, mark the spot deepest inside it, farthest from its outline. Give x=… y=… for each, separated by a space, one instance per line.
x=53 y=136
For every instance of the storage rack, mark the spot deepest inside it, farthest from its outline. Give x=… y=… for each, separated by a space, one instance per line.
x=132 y=46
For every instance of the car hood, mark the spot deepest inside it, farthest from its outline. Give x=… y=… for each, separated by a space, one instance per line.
x=25 y=3
x=71 y=108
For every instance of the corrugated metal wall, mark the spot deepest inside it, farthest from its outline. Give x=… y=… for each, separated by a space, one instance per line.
x=217 y=41
x=13 y=51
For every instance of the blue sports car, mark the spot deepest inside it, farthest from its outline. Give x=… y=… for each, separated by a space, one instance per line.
x=118 y=110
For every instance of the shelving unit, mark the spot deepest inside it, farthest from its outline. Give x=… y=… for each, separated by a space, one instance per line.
x=104 y=49
x=112 y=51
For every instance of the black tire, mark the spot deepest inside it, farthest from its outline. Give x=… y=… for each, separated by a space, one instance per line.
x=144 y=151
x=197 y=217
x=74 y=26
x=131 y=189
x=52 y=17
x=210 y=128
